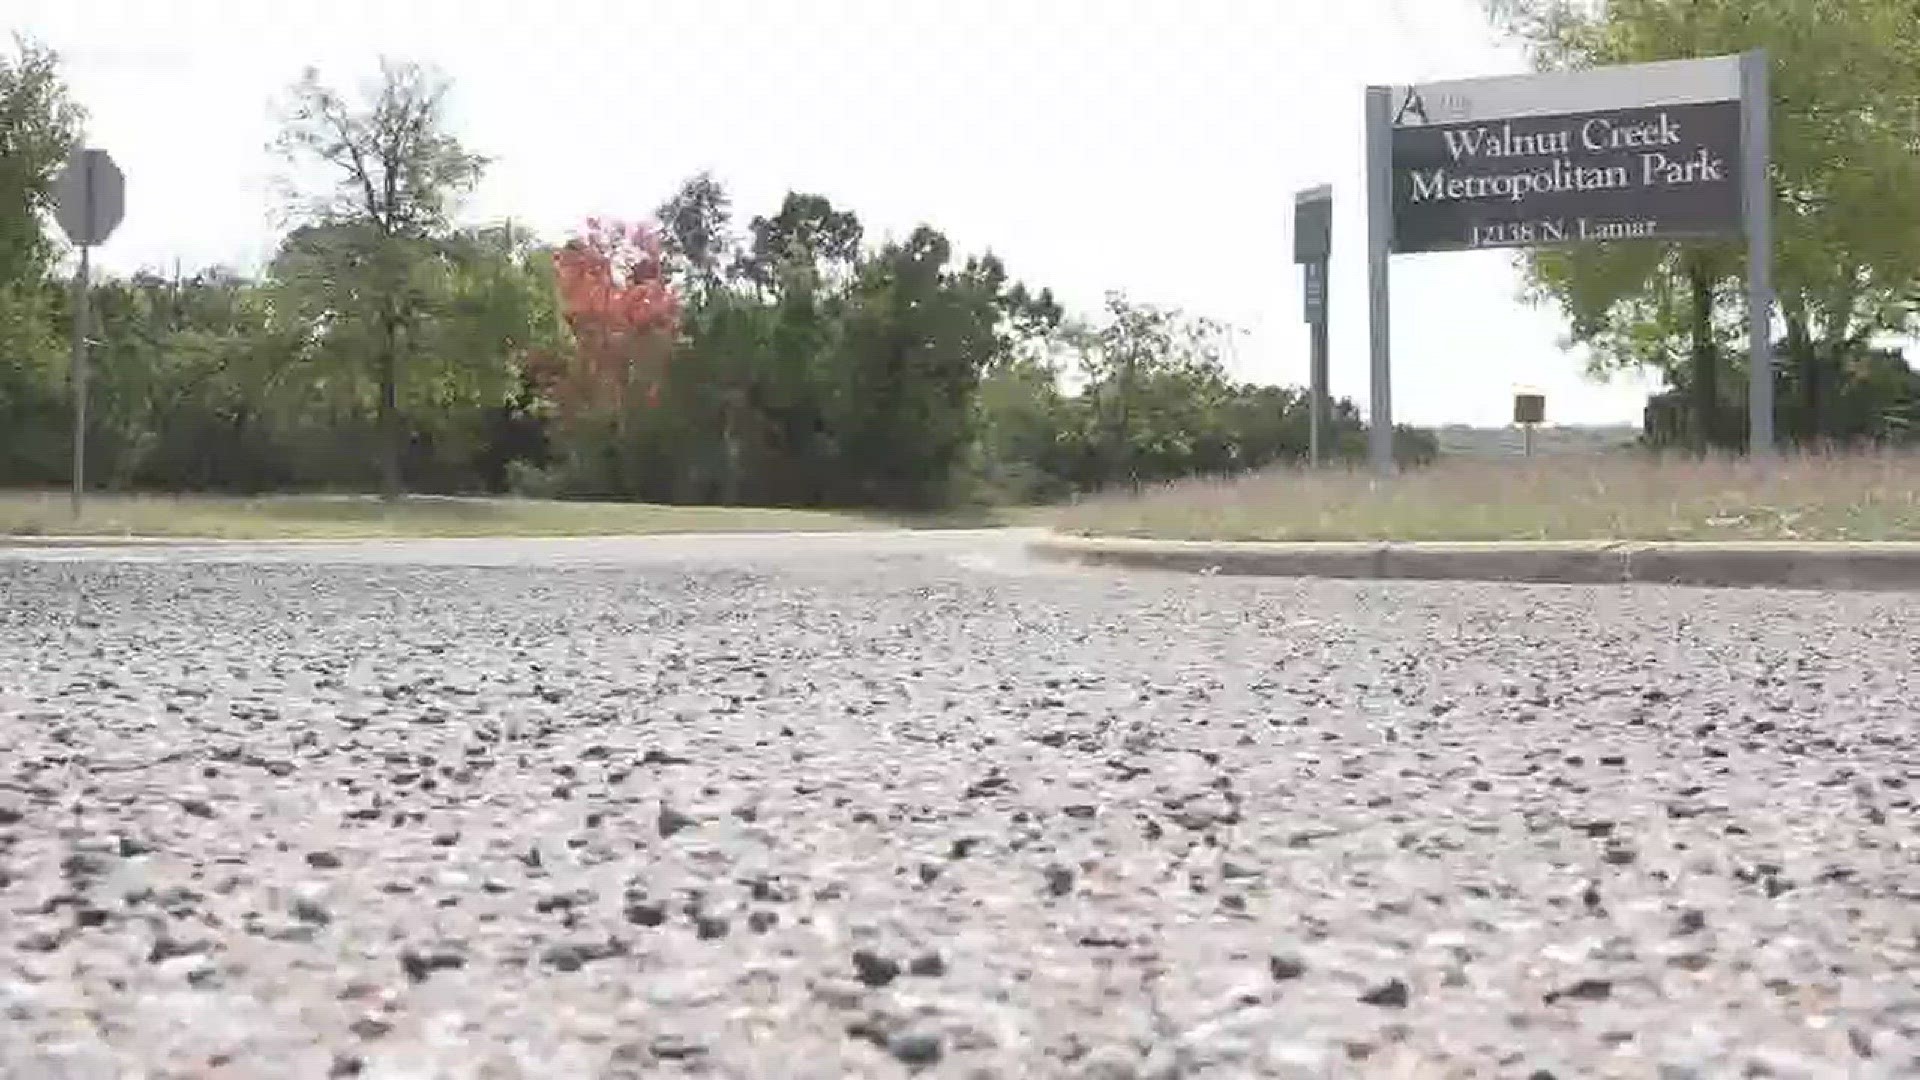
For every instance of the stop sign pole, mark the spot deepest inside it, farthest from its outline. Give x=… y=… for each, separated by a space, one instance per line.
x=89 y=203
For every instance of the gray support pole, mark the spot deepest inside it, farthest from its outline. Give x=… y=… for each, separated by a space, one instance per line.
x=1757 y=197
x=1379 y=253
x=1317 y=381
x=82 y=316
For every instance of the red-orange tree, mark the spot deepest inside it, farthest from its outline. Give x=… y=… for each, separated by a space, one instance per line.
x=623 y=313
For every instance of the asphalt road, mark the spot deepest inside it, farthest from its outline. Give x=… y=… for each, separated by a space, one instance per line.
x=879 y=805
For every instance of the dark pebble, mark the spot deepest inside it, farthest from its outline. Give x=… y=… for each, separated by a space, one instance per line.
x=311 y=912
x=1691 y=921
x=762 y=921
x=1059 y=880
x=915 y=1048
x=133 y=847
x=572 y=957
x=1391 y=994
x=197 y=807
x=81 y=865
x=928 y=964
x=1285 y=968
x=420 y=966
x=874 y=969
x=646 y=913
x=672 y=821
x=547 y=905
x=709 y=927
x=370 y=1027
x=346 y=1065
x=167 y=948
x=323 y=860
x=1584 y=990
x=675 y=1048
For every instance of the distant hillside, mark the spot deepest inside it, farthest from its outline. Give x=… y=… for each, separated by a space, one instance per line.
x=1459 y=439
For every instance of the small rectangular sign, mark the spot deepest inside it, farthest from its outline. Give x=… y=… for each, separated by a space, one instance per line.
x=1316 y=290
x=1313 y=225
x=1643 y=152
x=1529 y=408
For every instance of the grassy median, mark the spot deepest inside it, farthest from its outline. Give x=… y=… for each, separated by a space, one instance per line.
x=1624 y=495
x=282 y=517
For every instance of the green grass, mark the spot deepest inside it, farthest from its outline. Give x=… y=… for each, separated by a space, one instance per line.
x=1617 y=496
x=309 y=517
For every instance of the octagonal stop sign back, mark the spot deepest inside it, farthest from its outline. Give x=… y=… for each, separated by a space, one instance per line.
x=90 y=198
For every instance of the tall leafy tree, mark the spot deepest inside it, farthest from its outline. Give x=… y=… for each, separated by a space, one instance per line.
x=1846 y=154
x=39 y=127
x=695 y=233
x=394 y=174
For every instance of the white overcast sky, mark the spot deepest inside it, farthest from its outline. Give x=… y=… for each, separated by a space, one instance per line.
x=1150 y=146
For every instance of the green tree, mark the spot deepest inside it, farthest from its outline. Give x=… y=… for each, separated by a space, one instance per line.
x=1846 y=154
x=365 y=266
x=919 y=335
x=808 y=235
x=39 y=127
x=1153 y=376
x=695 y=229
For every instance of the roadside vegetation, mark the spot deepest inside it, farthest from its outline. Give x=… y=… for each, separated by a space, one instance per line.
x=1615 y=496
x=341 y=517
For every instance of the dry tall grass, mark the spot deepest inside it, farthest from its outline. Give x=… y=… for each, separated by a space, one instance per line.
x=1626 y=496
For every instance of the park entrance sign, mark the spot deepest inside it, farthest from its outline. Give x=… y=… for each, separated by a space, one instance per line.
x=1650 y=152
x=1675 y=150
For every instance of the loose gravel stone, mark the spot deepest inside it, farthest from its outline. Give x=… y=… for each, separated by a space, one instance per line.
x=1391 y=994
x=874 y=969
x=1286 y=968
x=915 y=1047
x=1157 y=826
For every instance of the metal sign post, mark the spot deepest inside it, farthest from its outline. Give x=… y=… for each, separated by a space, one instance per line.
x=1529 y=410
x=1379 y=252
x=89 y=203
x=1312 y=247
x=1756 y=144
x=1671 y=150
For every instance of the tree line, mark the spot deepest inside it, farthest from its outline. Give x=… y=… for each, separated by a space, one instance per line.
x=680 y=357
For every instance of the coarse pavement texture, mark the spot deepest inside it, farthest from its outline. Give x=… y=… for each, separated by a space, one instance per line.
x=911 y=805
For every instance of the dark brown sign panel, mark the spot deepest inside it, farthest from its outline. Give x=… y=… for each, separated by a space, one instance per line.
x=1647 y=173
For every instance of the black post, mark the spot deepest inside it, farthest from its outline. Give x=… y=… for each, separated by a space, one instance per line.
x=1312 y=248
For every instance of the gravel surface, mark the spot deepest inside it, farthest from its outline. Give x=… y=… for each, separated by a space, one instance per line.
x=906 y=806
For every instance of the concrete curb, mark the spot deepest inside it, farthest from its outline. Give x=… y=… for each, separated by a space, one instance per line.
x=1774 y=565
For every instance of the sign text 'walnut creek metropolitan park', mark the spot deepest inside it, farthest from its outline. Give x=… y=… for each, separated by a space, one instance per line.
x=1473 y=168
